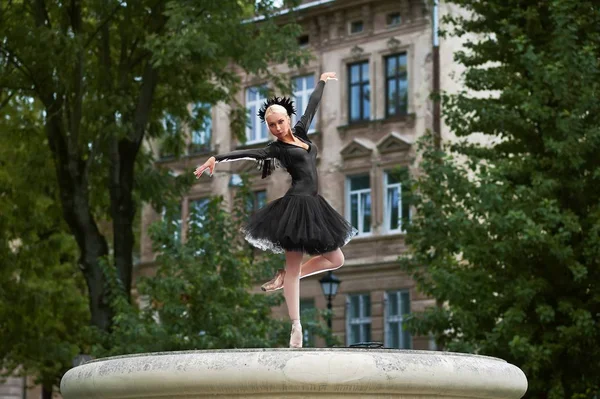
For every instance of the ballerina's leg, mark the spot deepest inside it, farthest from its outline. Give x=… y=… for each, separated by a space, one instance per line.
x=321 y=263
x=291 y=292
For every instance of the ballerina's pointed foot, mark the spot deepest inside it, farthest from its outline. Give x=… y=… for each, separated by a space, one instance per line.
x=276 y=283
x=296 y=336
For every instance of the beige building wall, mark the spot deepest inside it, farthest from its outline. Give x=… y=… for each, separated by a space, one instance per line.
x=21 y=388
x=451 y=79
x=370 y=147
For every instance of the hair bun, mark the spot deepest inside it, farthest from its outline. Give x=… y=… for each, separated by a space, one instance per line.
x=285 y=102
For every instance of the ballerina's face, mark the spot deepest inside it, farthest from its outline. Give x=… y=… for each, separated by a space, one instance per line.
x=279 y=124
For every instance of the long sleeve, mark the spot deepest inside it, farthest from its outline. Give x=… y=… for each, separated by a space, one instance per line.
x=254 y=154
x=265 y=157
x=303 y=124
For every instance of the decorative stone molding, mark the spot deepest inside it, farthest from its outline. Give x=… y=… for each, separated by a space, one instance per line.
x=357 y=148
x=405 y=12
x=339 y=23
x=372 y=127
x=296 y=373
x=393 y=44
x=356 y=52
x=393 y=142
x=367 y=17
x=323 y=26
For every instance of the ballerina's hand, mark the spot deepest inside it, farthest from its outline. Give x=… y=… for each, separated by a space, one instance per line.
x=209 y=164
x=328 y=75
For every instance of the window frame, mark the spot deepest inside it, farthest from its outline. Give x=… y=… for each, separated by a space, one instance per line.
x=362 y=320
x=352 y=23
x=362 y=84
x=400 y=319
x=308 y=335
x=251 y=136
x=397 y=77
x=388 y=17
x=305 y=94
x=199 y=147
x=190 y=202
x=360 y=192
x=387 y=224
x=255 y=203
x=177 y=222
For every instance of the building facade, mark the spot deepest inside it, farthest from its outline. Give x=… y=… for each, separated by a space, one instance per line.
x=366 y=129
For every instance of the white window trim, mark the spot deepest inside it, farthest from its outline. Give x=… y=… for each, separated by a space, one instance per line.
x=394 y=319
x=386 y=207
x=361 y=320
x=251 y=136
x=305 y=94
x=190 y=202
x=204 y=132
x=178 y=234
x=348 y=206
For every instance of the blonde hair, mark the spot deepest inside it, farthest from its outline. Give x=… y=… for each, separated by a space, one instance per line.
x=276 y=108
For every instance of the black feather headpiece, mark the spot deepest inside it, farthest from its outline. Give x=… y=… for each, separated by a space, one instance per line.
x=285 y=102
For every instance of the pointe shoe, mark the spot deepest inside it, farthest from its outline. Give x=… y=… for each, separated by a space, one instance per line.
x=296 y=337
x=276 y=282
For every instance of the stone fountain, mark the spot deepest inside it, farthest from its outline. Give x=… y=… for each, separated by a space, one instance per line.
x=296 y=373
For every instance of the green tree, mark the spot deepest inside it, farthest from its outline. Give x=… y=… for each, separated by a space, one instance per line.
x=506 y=235
x=202 y=294
x=107 y=73
x=43 y=302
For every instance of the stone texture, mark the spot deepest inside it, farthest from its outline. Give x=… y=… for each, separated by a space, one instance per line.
x=296 y=373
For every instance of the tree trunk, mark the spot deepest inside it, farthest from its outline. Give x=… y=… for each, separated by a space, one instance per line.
x=46 y=392
x=73 y=184
x=122 y=169
x=123 y=209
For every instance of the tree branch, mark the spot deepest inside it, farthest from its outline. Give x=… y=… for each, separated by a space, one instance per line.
x=10 y=96
x=41 y=14
x=19 y=64
x=103 y=24
x=77 y=103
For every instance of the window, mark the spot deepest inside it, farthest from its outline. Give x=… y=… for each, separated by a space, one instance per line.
x=256 y=131
x=396 y=207
x=359 y=103
x=308 y=315
x=303 y=41
x=397 y=306
x=393 y=19
x=202 y=128
x=169 y=141
x=358 y=200
x=358 y=319
x=356 y=27
x=197 y=210
x=172 y=215
x=303 y=87
x=396 y=89
x=258 y=200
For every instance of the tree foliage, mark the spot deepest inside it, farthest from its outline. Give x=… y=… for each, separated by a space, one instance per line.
x=43 y=303
x=507 y=234
x=202 y=294
x=106 y=73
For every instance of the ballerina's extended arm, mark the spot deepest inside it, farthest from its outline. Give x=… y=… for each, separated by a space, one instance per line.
x=262 y=155
x=303 y=124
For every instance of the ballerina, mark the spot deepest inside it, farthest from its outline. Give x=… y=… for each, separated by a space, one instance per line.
x=301 y=222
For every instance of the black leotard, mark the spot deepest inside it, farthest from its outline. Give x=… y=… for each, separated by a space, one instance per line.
x=300 y=163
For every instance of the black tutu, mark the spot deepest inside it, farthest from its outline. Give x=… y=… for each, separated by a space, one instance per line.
x=302 y=223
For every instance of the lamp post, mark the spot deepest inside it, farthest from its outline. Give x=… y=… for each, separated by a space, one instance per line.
x=329 y=285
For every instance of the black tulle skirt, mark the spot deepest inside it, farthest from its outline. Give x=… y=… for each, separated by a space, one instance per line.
x=298 y=223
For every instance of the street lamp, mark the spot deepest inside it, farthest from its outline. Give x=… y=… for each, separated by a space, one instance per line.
x=329 y=285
